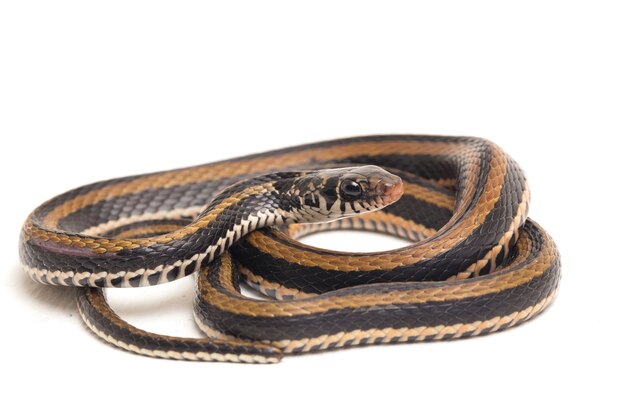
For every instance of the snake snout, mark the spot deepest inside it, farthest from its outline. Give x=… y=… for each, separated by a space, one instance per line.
x=390 y=189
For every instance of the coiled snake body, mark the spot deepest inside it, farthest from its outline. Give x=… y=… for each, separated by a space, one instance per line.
x=476 y=265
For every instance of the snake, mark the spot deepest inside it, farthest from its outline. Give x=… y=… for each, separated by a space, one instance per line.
x=474 y=263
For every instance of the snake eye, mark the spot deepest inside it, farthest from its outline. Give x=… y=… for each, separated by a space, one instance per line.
x=350 y=190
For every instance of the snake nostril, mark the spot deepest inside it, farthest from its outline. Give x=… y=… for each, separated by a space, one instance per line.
x=385 y=188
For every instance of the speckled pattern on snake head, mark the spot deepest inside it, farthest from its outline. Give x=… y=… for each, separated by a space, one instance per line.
x=334 y=193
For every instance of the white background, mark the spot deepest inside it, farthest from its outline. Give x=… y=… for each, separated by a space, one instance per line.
x=93 y=90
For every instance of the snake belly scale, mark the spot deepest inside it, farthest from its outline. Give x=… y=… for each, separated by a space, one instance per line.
x=475 y=265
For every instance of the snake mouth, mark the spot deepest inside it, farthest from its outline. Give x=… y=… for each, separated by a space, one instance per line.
x=390 y=189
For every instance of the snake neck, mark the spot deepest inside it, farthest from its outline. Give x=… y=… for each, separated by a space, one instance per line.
x=245 y=207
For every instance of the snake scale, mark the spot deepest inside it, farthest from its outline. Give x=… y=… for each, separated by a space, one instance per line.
x=475 y=263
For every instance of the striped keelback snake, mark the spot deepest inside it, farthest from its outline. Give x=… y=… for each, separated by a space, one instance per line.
x=476 y=264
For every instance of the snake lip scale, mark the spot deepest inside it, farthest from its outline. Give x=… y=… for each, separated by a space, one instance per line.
x=475 y=263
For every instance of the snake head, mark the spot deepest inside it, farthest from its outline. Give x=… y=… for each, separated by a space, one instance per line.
x=328 y=194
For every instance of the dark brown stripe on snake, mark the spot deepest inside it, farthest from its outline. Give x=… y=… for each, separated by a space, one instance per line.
x=129 y=229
